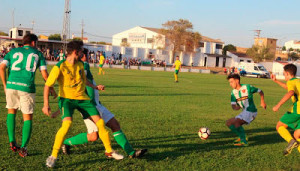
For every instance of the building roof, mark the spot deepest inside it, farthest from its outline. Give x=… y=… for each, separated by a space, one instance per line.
x=216 y=55
x=241 y=55
x=203 y=38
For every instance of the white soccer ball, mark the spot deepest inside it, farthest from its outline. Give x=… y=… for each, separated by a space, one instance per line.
x=204 y=133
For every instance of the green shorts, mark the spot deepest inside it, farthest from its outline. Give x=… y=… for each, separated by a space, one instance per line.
x=291 y=119
x=100 y=65
x=85 y=107
x=176 y=71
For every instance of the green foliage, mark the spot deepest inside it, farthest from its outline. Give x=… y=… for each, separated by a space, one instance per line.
x=54 y=37
x=77 y=38
x=283 y=48
x=294 y=56
x=260 y=53
x=163 y=116
x=228 y=47
x=291 y=49
x=3 y=33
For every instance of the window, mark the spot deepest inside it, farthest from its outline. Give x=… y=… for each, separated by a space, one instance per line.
x=255 y=68
x=27 y=32
x=150 y=40
x=241 y=60
x=20 y=32
x=249 y=61
x=218 y=46
x=124 y=40
x=201 y=44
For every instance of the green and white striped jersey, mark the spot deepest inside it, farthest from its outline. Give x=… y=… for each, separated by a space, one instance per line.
x=22 y=63
x=244 y=97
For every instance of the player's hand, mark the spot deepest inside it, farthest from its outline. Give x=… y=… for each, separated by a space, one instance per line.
x=276 y=108
x=46 y=110
x=101 y=87
x=53 y=92
x=55 y=114
x=273 y=77
x=263 y=105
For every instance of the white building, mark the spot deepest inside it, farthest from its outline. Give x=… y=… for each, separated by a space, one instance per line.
x=237 y=57
x=18 y=32
x=292 y=44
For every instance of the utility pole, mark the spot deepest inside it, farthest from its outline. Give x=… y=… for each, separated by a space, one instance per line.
x=33 y=22
x=257 y=33
x=82 y=25
x=66 y=25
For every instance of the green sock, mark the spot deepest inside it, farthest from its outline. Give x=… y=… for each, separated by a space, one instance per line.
x=123 y=142
x=233 y=129
x=10 y=122
x=77 y=139
x=242 y=134
x=26 y=133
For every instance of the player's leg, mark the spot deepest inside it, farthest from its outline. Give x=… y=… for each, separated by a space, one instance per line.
x=27 y=101
x=176 y=75
x=66 y=107
x=297 y=136
x=100 y=69
x=288 y=120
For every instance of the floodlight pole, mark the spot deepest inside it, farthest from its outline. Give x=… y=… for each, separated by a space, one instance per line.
x=66 y=25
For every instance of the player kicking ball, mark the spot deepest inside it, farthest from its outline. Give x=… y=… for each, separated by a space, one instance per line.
x=292 y=117
x=242 y=98
x=70 y=75
x=108 y=117
x=20 y=89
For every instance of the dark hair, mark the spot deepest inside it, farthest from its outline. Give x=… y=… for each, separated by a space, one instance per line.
x=28 y=38
x=290 y=68
x=74 y=45
x=234 y=76
x=85 y=51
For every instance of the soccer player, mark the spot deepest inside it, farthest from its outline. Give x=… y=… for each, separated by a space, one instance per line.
x=72 y=82
x=242 y=98
x=101 y=63
x=108 y=117
x=61 y=55
x=20 y=89
x=292 y=117
x=177 y=65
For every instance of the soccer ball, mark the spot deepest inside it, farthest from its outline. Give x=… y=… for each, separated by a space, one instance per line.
x=204 y=133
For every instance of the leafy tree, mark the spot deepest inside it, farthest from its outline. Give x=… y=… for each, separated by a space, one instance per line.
x=228 y=47
x=3 y=33
x=260 y=53
x=283 y=48
x=54 y=37
x=77 y=38
x=294 y=56
x=180 y=36
x=291 y=49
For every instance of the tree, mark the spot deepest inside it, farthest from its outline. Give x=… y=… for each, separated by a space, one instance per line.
x=260 y=53
x=180 y=36
x=283 y=48
x=126 y=44
x=228 y=47
x=54 y=37
x=291 y=49
x=294 y=56
x=77 y=39
x=3 y=33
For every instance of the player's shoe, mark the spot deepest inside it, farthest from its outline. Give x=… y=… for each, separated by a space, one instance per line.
x=239 y=140
x=14 y=147
x=114 y=155
x=66 y=149
x=241 y=144
x=138 y=153
x=292 y=144
x=50 y=162
x=23 y=152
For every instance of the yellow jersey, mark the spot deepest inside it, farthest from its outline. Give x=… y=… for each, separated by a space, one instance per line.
x=294 y=85
x=101 y=60
x=177 y=64
x=71 y=80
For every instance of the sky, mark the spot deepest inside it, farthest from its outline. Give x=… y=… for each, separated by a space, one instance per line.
x=232 y=21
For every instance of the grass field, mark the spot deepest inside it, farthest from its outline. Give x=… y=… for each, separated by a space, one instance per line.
x=163 y=116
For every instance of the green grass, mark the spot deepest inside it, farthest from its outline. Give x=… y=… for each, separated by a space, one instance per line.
x=158 y=114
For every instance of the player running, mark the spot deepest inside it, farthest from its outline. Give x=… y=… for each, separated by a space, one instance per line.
x=72 y=82
x=101 y=63
x=242 y=98
x=20 y=89
x=292 y=117
x=108 y=117
x=177 y=65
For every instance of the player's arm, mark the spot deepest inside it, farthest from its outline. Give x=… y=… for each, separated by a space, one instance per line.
x=51 y=90
x=235 y=107
x=262 y=99
x=283 y=85
x=285 y=98
x=98 y=87
x=3 y=75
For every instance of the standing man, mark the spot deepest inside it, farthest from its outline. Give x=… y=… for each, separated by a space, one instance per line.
x=101 y=63
x=72 y=82
x=108 y=117
x=61 y=55
x=20 y=87
x=242 y=98
x=177 y=65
